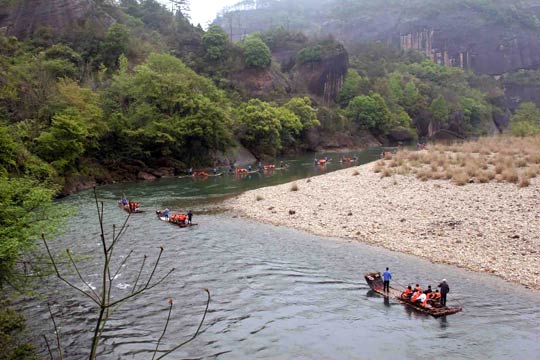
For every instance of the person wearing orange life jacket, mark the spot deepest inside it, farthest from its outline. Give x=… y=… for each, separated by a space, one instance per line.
x=415 y=296
x=406 y=294
x=421 y=299
x=417 y=288
x=436 y=296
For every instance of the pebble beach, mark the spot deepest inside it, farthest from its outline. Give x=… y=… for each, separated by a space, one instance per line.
x=491 y=227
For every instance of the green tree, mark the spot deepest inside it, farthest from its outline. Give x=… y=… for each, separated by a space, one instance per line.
x=395 y=90
x=117 y=42
x=351 y=87
x=215 y=42
x=63 y=143
x=26 y=211
x=291 y=126
x=256 y=52
x=526 y=120
x=164 y=109
x=7 y=152
x=410 y=98
x=259 y=128
x=371 y=113
x=440 y=110
x=303 y=108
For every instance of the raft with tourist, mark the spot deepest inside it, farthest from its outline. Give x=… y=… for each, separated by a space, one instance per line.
x=131 y=207
x=179 y=219
x=434 y=308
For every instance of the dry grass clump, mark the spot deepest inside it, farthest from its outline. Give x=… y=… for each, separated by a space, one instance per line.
x=355 y=173
x=259 y=198
x=510 y=175
x=524 y=182
x=386 y=172
x=499 y=158
x=460 y=178
x=294 y=187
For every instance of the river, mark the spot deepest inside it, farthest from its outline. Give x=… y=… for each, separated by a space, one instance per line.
x=276 y=293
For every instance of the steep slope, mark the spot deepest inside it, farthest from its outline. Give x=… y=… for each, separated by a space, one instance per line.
x=493 y=37
x=23 y=18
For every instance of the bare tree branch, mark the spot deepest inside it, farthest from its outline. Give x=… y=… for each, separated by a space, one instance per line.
x=196 y=332
x=139 y=274
x=79 y=274
x=48 y=347
x=164 y=329
x=60 y=275
x=58 y=342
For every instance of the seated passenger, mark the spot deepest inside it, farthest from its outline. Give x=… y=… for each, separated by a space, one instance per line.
x=422 y=299
x=415 y=296
x=428 y=290
x=406 y=294
x=417 y=288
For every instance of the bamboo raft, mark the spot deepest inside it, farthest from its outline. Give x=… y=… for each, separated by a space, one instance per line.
x=128 y=210
x=375 y=282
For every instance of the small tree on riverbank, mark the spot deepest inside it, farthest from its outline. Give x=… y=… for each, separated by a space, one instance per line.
x=103 y=300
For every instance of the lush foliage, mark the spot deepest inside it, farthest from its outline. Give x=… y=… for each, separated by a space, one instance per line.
x=13 y=336
x=526 y=120
x=264 y=128
x=256 y=52
x=164 y=109
x=215 y=42
x=26 y=211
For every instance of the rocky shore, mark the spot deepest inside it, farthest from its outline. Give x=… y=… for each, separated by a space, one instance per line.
x=492 y=227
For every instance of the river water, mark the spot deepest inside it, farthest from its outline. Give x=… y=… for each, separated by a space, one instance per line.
x=276 y=293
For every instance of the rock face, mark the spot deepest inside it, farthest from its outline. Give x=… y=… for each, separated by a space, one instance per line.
x=26 y=17
x=492 y=37
x=323 y=78
x=487 y=50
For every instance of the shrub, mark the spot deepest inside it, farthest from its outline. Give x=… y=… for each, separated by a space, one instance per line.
x=259 y=198
x=524 y=182
x=294 y=187
x=460 y=178
x=510 y=175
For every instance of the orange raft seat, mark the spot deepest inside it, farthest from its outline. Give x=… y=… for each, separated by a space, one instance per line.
x=200 y=173
x=241 y=171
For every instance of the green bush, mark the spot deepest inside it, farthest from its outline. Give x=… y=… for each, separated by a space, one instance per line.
x=256 y=52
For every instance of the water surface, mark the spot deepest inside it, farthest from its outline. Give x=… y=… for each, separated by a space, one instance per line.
x=276 y=293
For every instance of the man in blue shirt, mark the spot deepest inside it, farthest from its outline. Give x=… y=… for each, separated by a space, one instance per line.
x=386 y=277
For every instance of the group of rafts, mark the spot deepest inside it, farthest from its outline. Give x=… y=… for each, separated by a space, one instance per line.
x=430 y=304
x=234 y=171
x=261 y=168
x=179 y=219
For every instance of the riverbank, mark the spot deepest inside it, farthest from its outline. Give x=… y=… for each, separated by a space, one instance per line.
x=487 y=227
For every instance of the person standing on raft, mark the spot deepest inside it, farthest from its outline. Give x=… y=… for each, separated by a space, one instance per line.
x=445 y=289
x=386 y=283
x=189 y=216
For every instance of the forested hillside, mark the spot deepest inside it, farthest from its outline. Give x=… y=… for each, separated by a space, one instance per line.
x=94 y=92
x=496 y=38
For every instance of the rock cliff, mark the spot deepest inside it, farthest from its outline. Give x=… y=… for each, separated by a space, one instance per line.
x=492 y=37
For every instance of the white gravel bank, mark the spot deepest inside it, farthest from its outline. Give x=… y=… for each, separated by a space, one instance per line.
x=493 y=227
